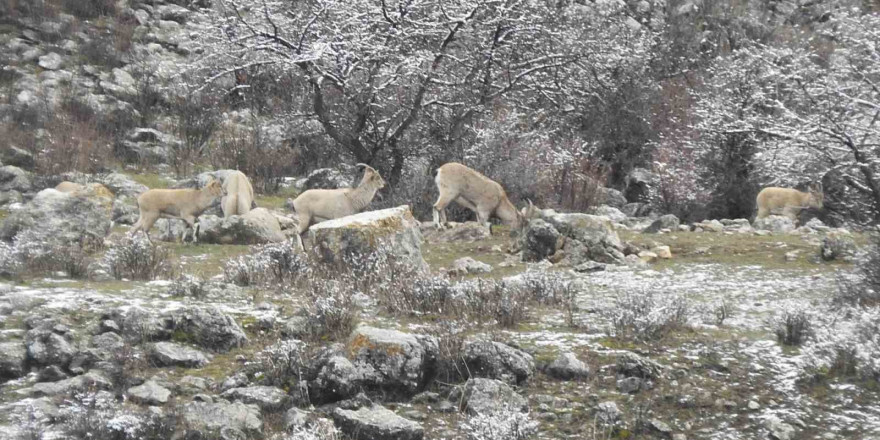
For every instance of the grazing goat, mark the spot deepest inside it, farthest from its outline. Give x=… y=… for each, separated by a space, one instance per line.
x=316 y=205
x=185 y=204
x=458 y=183
x=239 y=194
x=790 y=201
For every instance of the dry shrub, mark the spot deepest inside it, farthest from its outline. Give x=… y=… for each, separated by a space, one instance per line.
x=245 y=148
x=72 y=144
x=137 y=258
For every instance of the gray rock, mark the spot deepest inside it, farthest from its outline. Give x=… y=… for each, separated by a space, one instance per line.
x=17 y=157
x=123 y=213
x=209 y=328
x=498 y=361
x=169 y=354
x=332 y=377
x=838 y=246
x=667 y=221
x=327 y=178
x=485 y=396
x=567 y=366
x=377 y=422
x=13 y=178
x=122 y=185
x=51 y=61
x=591 y=266
x=467 y=265
x=393 y=231
x=630 y=385
x=638 y=184
x=13 y=356
x=539 y=241
x=237 y=380
x=93 y=380
x=391 y=361
x=144 y=145
x=590 y=238
x=710 y=226
x=661 y=429
x=295 y=418
x=52 y=373
x=269 y=399
x=257 y=226
x=779 y=430
x=49 y=348
x=172 y=12
x=61 y=218
x=611 y=197
x=467 y=232
x=608 y=413
x=232 y=420
x=149 y=393
x=108 y=342
x=632 y=365
x=774 y=223
x=10 y=197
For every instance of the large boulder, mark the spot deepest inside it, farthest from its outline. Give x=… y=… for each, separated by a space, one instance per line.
x=668 y=221
x=332 y=377
x=486 y=396
x=611 y=197
x=15 y=178
x=257 y=226
x=567 y=366
x=149 y=393
x=539 y=241
x=235 y=420
x=589 y=237
x=638 y=184
x=376 y=422
x=13 y=357
x=61 y=217
x=495 y=360
x=45 y=347
x=774 y=223
x=391 y=361
x=170 y=354
x=392 y=232
x=613 y=214
x=209 y=328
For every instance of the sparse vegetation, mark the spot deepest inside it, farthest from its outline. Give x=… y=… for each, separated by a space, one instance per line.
x=136 y=258
x=647 y=315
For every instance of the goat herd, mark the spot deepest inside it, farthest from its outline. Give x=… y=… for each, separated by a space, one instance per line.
x=455 y=183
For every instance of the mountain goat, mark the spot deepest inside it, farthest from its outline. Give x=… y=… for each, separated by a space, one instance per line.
x=458 y=183
x=316 y=205
x=185 y=204
x=790 y=201
x=239 y=194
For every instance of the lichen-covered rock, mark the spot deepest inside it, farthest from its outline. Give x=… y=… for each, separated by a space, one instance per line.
x=486 y=396
x=539 y=241
x=235 y=420
x=613 y=214
x=61 y=218
x=467 y=265
x=391 y=361
x=495 y=360
x=611 y=197
x=774 y=223
x=270 y=399
x=17 y=157
x=590 y=237
x=376 y=422
x=668 y=221
x=567 y=366
x=123 y=186
x=710 y=226
x=170 y=354
x=392 y=232
x=209 y=327
x=332 y=377
x=257 y=226
x=45 y=347
x=632 y=365
x=142 y=145
x=93 y=380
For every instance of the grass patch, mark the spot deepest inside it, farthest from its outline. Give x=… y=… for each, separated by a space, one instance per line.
x=152 y=180
x=442 y=255
x=735 y=250
x=205 y=260
x=276 y=200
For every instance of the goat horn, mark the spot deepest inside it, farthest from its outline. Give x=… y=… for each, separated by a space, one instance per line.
x=362 y=165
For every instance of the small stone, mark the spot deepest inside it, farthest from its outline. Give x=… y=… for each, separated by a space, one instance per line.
x=150 y=393
x=629 y=385
x=754 y=405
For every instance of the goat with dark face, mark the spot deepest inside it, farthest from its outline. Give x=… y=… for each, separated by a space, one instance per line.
x=460 y=184
x=789 y=201
x=316 y=205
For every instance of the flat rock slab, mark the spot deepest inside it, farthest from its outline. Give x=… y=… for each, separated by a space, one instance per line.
x=169 y=354
x=377 y=422
x=567 y=367
x=498 y=361
x=269 y=399
x=485 y=396
x=150 y=393
x=236 y=420
x=93 y=380
x=392 y=361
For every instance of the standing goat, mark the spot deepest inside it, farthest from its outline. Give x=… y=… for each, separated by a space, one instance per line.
x=185 y=204
x=790 y=201
x=239 y=194
x=316 y=205
x=476 y=192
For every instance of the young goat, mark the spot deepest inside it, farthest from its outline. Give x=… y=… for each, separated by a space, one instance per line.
x=185 y=204
x=458 y=183
x=790 y=201
x=316 y=205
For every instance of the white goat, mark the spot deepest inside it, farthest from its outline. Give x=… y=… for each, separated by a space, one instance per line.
x=460 y=184
x=790 y=201
x=239 y=194
x=316 y=205
x=185 y=204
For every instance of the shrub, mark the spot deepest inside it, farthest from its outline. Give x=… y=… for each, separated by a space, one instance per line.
x=504 y=424
x=189 y=286
x=275 y=262
x=845 y=344
x=99 y=415
x=334 y=312
x=35 y=253
x=281 y=364
x=862 y=288
x=647 y=315
x=246 y=147
x=11 y=264
x=136 y=258
x=793 y=326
